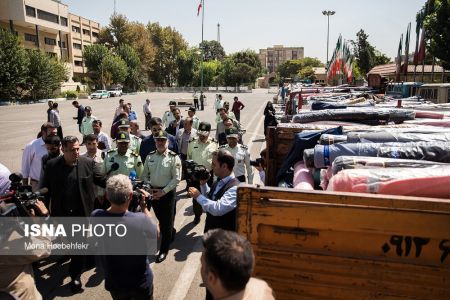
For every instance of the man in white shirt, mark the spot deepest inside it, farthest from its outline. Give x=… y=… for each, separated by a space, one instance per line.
x=147 y=114
x=32 y=156
x=184 y=136
x=218 y=104
x=104 y=141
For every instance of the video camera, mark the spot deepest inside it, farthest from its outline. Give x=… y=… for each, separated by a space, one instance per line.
x=256 y=162
x=196 y=171
x=21 y=196
x=137 y=194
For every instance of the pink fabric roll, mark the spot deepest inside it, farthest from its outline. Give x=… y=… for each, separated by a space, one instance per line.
x=431 y=122
x=303 y=178
x=428 y=115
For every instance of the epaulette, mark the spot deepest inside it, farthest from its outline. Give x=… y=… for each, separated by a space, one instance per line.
x=244 y=147
x=172 y=153
x=223 y=146
x=153 y=152
x=193 y=139
x=111 y=150
x=134 y=153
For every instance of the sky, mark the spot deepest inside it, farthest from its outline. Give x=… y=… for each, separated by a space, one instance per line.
x=258 y=24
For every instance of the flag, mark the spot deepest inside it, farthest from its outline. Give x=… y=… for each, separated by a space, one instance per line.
x=421 y=54
x=399 y=60
x=405 y=64
x=199 y=8
x=418 y=26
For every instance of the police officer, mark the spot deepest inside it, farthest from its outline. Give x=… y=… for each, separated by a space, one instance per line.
x=162 y=169
x=195 y=119
x=168 y=116
x=127 y=159
x=135 y=142
x=241 y=156
x=200 y=150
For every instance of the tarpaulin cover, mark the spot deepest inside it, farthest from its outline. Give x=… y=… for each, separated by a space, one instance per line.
x=303 y=178
x=367 y=162
x=329 y=139
x=429 y=182
x=438 y=152
x=385 y=137
x=370 y=115
x=301 y=142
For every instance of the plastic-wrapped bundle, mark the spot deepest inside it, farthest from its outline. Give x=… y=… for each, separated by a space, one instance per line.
x=324 y=155
x=355 y=115
x=329 y=139
x=303 y=179
x=429 y=182
x=308 y=158
x=367 y=162
x=386 y=137
x=438 y=152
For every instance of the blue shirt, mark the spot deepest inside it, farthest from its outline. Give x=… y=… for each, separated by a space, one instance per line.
x=218 y=207
x=132 y=116
x=148 y=145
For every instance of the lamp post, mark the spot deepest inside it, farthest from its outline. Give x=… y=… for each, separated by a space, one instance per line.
x=328 y=13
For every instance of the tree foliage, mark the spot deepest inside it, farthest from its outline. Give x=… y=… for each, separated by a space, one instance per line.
x=187 y=63
x=290 y=68
x=135 y=78
x=307 y=73
x=212 y=50
x=45 y=74
x=14 y=63
x=435 y=16
x=247 y=67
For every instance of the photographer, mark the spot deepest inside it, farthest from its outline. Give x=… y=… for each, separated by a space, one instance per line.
x=16 y=271
x=127 y=276
x=260 y=165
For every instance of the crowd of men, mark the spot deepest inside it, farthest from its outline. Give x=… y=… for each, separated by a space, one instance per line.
x=97 y=182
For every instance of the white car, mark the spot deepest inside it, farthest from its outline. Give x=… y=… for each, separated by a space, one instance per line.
x=117 y=92
x=100 y=94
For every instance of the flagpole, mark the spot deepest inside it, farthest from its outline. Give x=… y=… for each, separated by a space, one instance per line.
x=202 y=51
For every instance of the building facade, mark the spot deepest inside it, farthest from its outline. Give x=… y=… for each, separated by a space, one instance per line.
x=272 y=57
x=47 y=25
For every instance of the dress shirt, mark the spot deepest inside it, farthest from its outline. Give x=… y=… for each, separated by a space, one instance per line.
x=118 y=111
x=103 y=137
x=183 y=139
x=201 y=153
x=218 y=104
x=32 y=159
x=195 y=122
x=132 y=116
x=86 y=125
x=220 y=206
x=146 y=108
x=241 y=161
x=54 y=118
x=5 y=183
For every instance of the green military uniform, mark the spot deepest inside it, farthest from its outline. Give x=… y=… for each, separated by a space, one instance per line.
x=135 y=143
x=195 y=122
x=131 y=161
x=201 y=153
x=162 y=170
x=241 y=156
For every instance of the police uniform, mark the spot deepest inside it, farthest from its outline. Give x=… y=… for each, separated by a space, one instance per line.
x=135 y=142
x=241 y=156
x=201 y=153
x=168 y=116
x=130 y=161
x=163 y=171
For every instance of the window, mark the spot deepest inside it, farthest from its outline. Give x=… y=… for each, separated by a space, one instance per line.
x=77 y=46
x=95 y=34
x=86 y=31
x=78 y=63
x=30 y=37
x=63 y=21
x=30 y=11
x=76 y=29
x=50 y=41
x=62 y=44
x=43 y=15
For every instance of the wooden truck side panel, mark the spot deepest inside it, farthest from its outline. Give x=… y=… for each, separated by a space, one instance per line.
x=312 y=245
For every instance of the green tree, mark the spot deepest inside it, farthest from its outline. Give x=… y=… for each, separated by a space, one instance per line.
x=289 y=68
x=45 y=75
x=435 y=16
x=228 y=72
x=13 y=65
x=114 y=69
x=307 y=73
x=211 y=71
x=247 y=66
x=168 y=43
x=213 y=50
x=187 y=62
x=135 y=79
x=380 y=58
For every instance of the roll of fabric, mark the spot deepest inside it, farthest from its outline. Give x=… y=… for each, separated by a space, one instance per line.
x=386 y=137
x=431 y=122
x=366 y=162
x=329 y=139
x=429 y=182
x=429 y=115
x=437 y=152
x=324 y=155
x=303 y=179
x=356 y=115
x=308 y=158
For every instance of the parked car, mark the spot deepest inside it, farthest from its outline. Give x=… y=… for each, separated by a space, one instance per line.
x=99 y=94
x=116 y=92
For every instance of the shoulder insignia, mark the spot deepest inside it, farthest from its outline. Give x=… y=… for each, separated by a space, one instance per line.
x=134 y=154
x=172 y=153
x=153 y=152
x=244 y=147
x=223 y=146
x=110 y=150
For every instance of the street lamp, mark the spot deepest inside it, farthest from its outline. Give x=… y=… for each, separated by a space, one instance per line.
x=328 y=13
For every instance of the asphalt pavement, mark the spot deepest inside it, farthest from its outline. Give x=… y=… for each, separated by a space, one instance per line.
x=178 y=277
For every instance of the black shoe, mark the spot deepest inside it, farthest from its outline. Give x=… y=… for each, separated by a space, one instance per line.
x=75 y=286
x=161 y=257
x=196 y=220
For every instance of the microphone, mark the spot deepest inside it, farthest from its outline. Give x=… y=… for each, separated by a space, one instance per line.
x=114 y=167
x=133 y=175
